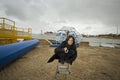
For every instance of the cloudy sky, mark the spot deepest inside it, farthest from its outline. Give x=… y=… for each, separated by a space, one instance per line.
x=87 y=16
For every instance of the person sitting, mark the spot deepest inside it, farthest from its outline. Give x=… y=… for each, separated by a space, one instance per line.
x=66 y=52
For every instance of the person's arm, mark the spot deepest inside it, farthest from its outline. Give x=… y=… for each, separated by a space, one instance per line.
x=75 y=54
x=60 y=49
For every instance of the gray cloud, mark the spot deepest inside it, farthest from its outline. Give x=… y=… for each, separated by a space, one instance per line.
x=104 y=11
x=24 y=9
x=91 y=16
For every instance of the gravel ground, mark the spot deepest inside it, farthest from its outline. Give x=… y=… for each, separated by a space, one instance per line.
x=92 y=63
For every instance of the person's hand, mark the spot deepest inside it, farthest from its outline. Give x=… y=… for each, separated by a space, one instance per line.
x=65 y=49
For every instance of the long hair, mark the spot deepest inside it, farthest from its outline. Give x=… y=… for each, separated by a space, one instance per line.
x=68 y=39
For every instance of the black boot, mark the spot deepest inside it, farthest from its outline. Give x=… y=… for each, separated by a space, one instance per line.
x=69 y=62
x=61 y=61
x=51 y=59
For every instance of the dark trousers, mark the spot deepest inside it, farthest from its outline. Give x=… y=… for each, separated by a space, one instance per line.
x=66 y=56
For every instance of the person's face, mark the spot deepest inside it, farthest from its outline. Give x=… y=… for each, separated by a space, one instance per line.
x=70 y=41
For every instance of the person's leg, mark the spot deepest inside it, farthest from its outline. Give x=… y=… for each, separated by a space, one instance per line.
x=52 y=58
x=61 y=57
x=69 y=57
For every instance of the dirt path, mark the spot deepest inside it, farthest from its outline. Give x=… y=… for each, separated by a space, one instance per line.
x=92 y=63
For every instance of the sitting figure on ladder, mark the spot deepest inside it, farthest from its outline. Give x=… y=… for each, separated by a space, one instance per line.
x=65 y=53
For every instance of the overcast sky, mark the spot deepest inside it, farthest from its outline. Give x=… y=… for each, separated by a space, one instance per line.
x=87 y=16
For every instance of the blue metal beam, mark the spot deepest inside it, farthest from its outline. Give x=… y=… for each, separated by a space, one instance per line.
x=10 y=52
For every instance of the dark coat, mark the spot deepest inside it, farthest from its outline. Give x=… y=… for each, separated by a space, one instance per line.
x=62 y=56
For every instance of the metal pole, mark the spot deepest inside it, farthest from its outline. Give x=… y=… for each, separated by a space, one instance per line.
x=117 y=30
x=3 y=23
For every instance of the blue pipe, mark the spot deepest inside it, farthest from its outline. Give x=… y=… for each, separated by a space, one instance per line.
x=10 y=52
